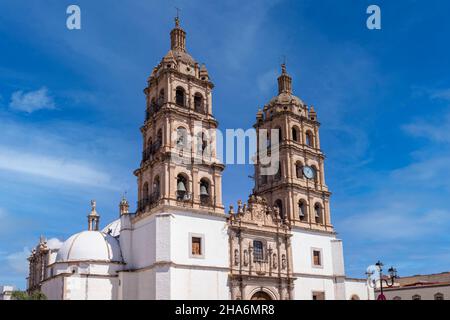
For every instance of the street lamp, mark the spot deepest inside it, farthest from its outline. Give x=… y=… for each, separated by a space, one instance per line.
x=389 y=282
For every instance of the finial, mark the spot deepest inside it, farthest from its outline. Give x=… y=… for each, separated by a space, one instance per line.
x=93 y=207
x=177 y=18
x=283 y=67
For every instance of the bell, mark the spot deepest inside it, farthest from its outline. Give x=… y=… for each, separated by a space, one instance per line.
x=203 y=190
x=181 y=186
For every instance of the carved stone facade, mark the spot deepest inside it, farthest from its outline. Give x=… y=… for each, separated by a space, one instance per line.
x=260 y=252
x=179 y=166
x=303 y=201
x=38 y=262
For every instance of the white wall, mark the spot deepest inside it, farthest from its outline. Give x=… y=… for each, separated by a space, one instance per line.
x=214 y=231
x=303 y=242
x=304 y=288
x=191 y=284
x=359 y=288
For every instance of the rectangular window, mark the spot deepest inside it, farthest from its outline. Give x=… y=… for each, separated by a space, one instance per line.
x=196 y=246
x=317 y=258
x=318 y=295
x=258 y=253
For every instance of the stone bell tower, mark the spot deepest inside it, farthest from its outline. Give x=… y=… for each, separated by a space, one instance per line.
x=179 y=167
x=298 y=187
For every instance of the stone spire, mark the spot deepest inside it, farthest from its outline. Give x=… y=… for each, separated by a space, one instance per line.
x=178 y=37
x=93 y=217
x=284 y=81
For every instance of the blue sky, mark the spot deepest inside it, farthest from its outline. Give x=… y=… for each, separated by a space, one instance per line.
x=71 y=104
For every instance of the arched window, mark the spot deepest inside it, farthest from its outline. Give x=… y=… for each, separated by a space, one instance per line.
x=268 y=141
x=279 y=205
x=277 y=175
x=202 y=143
x=156 y=187
x=263 y=178
x=397 y=298
x=295 y=134
x=302 y=210
x=315 y=173
x=198 y=103
x=161 y=98
x=182 y=137
x=318 y=213
x=159 y=138
x=145 y=191
x=182 y=188
x=279 y=134
x=180 y=97
x=309 y=139
x=153 y=104
x=439 y=296
x=355 y=297
x=299 y=170
x=416 y=297
x=205 y=198
x=258 y=250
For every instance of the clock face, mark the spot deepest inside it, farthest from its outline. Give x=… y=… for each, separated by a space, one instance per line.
x=308 y=172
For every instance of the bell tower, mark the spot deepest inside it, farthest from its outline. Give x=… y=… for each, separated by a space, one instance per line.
x=179 y=167
x=298 y=187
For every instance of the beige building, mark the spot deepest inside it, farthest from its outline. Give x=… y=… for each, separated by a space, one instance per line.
x=419 y=287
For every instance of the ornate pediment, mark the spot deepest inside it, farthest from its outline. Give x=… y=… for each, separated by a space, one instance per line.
x=256 y=212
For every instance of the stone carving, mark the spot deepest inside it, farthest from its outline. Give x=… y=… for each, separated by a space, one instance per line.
x=283 y=262
x=245 y=258
x=274 y=261
x=236 y=257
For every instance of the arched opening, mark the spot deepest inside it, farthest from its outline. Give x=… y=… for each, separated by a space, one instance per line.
x=309 y=139
x=315 y=174
x=180 y=97
x=302 y=210
x=161 y=98
x=295 y=134
x=202 y=143
x=258 y=251
x=355 y=297
x=261 y=295
x=279 y=134
x=279 y=205
x=318 y=213
x=439 y=296
x=277 y=175
x=198 y=103
x=299 y=170
x=182 y=188
x=156 y=188
x=145 y=191
x=159 y=139
x=397 y=298
x=416 y=297
x=205 y=192
x=182 y=138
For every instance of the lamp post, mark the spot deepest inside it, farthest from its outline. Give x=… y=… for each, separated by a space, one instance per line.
x=389 y=282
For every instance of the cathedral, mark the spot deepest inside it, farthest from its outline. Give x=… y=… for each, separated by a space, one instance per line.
x=181 y=243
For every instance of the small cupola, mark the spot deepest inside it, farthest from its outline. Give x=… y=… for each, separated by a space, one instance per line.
x=178 y=37
x=93 y=217
x=284 y=81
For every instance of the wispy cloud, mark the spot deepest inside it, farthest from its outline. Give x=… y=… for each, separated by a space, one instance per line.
x=17 y=261
x=53 y=168
x=32 y=100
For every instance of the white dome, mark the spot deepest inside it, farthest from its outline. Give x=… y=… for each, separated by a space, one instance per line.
x=90 y=246
x=114 y=227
